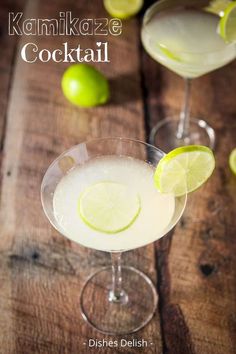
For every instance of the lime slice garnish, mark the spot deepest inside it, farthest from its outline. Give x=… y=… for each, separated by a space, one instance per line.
x=184 y=169
x=169 y=54
x=232 y=161
x=227 y=24
x=123 y=8
x=109 y=207
x=218 y=7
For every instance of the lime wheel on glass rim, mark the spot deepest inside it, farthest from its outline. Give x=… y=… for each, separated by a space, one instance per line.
x=227 y=24
x=184 y=169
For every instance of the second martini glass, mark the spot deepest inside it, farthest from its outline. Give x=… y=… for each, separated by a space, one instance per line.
x=182 y=36
x=101 y=194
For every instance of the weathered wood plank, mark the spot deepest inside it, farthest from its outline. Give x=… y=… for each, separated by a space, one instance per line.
x=6 y=59
x=197 y=264
x=43 y=273
x=8 y=50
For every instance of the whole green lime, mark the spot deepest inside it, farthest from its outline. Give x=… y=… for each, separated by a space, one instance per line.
x=85 y=86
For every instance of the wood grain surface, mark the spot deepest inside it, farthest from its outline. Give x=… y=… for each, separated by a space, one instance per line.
x=197 y=263
x=42 y=273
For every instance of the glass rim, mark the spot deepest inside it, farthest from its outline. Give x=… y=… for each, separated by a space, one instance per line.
x=94 y=140
x=229 y=45
x=53 y=163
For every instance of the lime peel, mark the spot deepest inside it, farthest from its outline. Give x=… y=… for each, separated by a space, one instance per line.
x=123 y=9
x=184 y=169
x=227 y=24
x=109 y=207
x=83 y=85
x=232 y=161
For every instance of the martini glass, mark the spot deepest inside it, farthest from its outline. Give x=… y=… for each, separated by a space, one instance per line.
x=116 y=299
x=182 y=35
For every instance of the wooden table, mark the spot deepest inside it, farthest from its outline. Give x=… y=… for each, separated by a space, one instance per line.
x=42 y=273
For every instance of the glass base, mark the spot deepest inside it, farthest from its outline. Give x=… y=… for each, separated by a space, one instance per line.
x=164 y=134
x=114 y=317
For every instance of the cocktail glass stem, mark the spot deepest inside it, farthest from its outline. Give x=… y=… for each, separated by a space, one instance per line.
x=117 y=294
x=183 y=127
